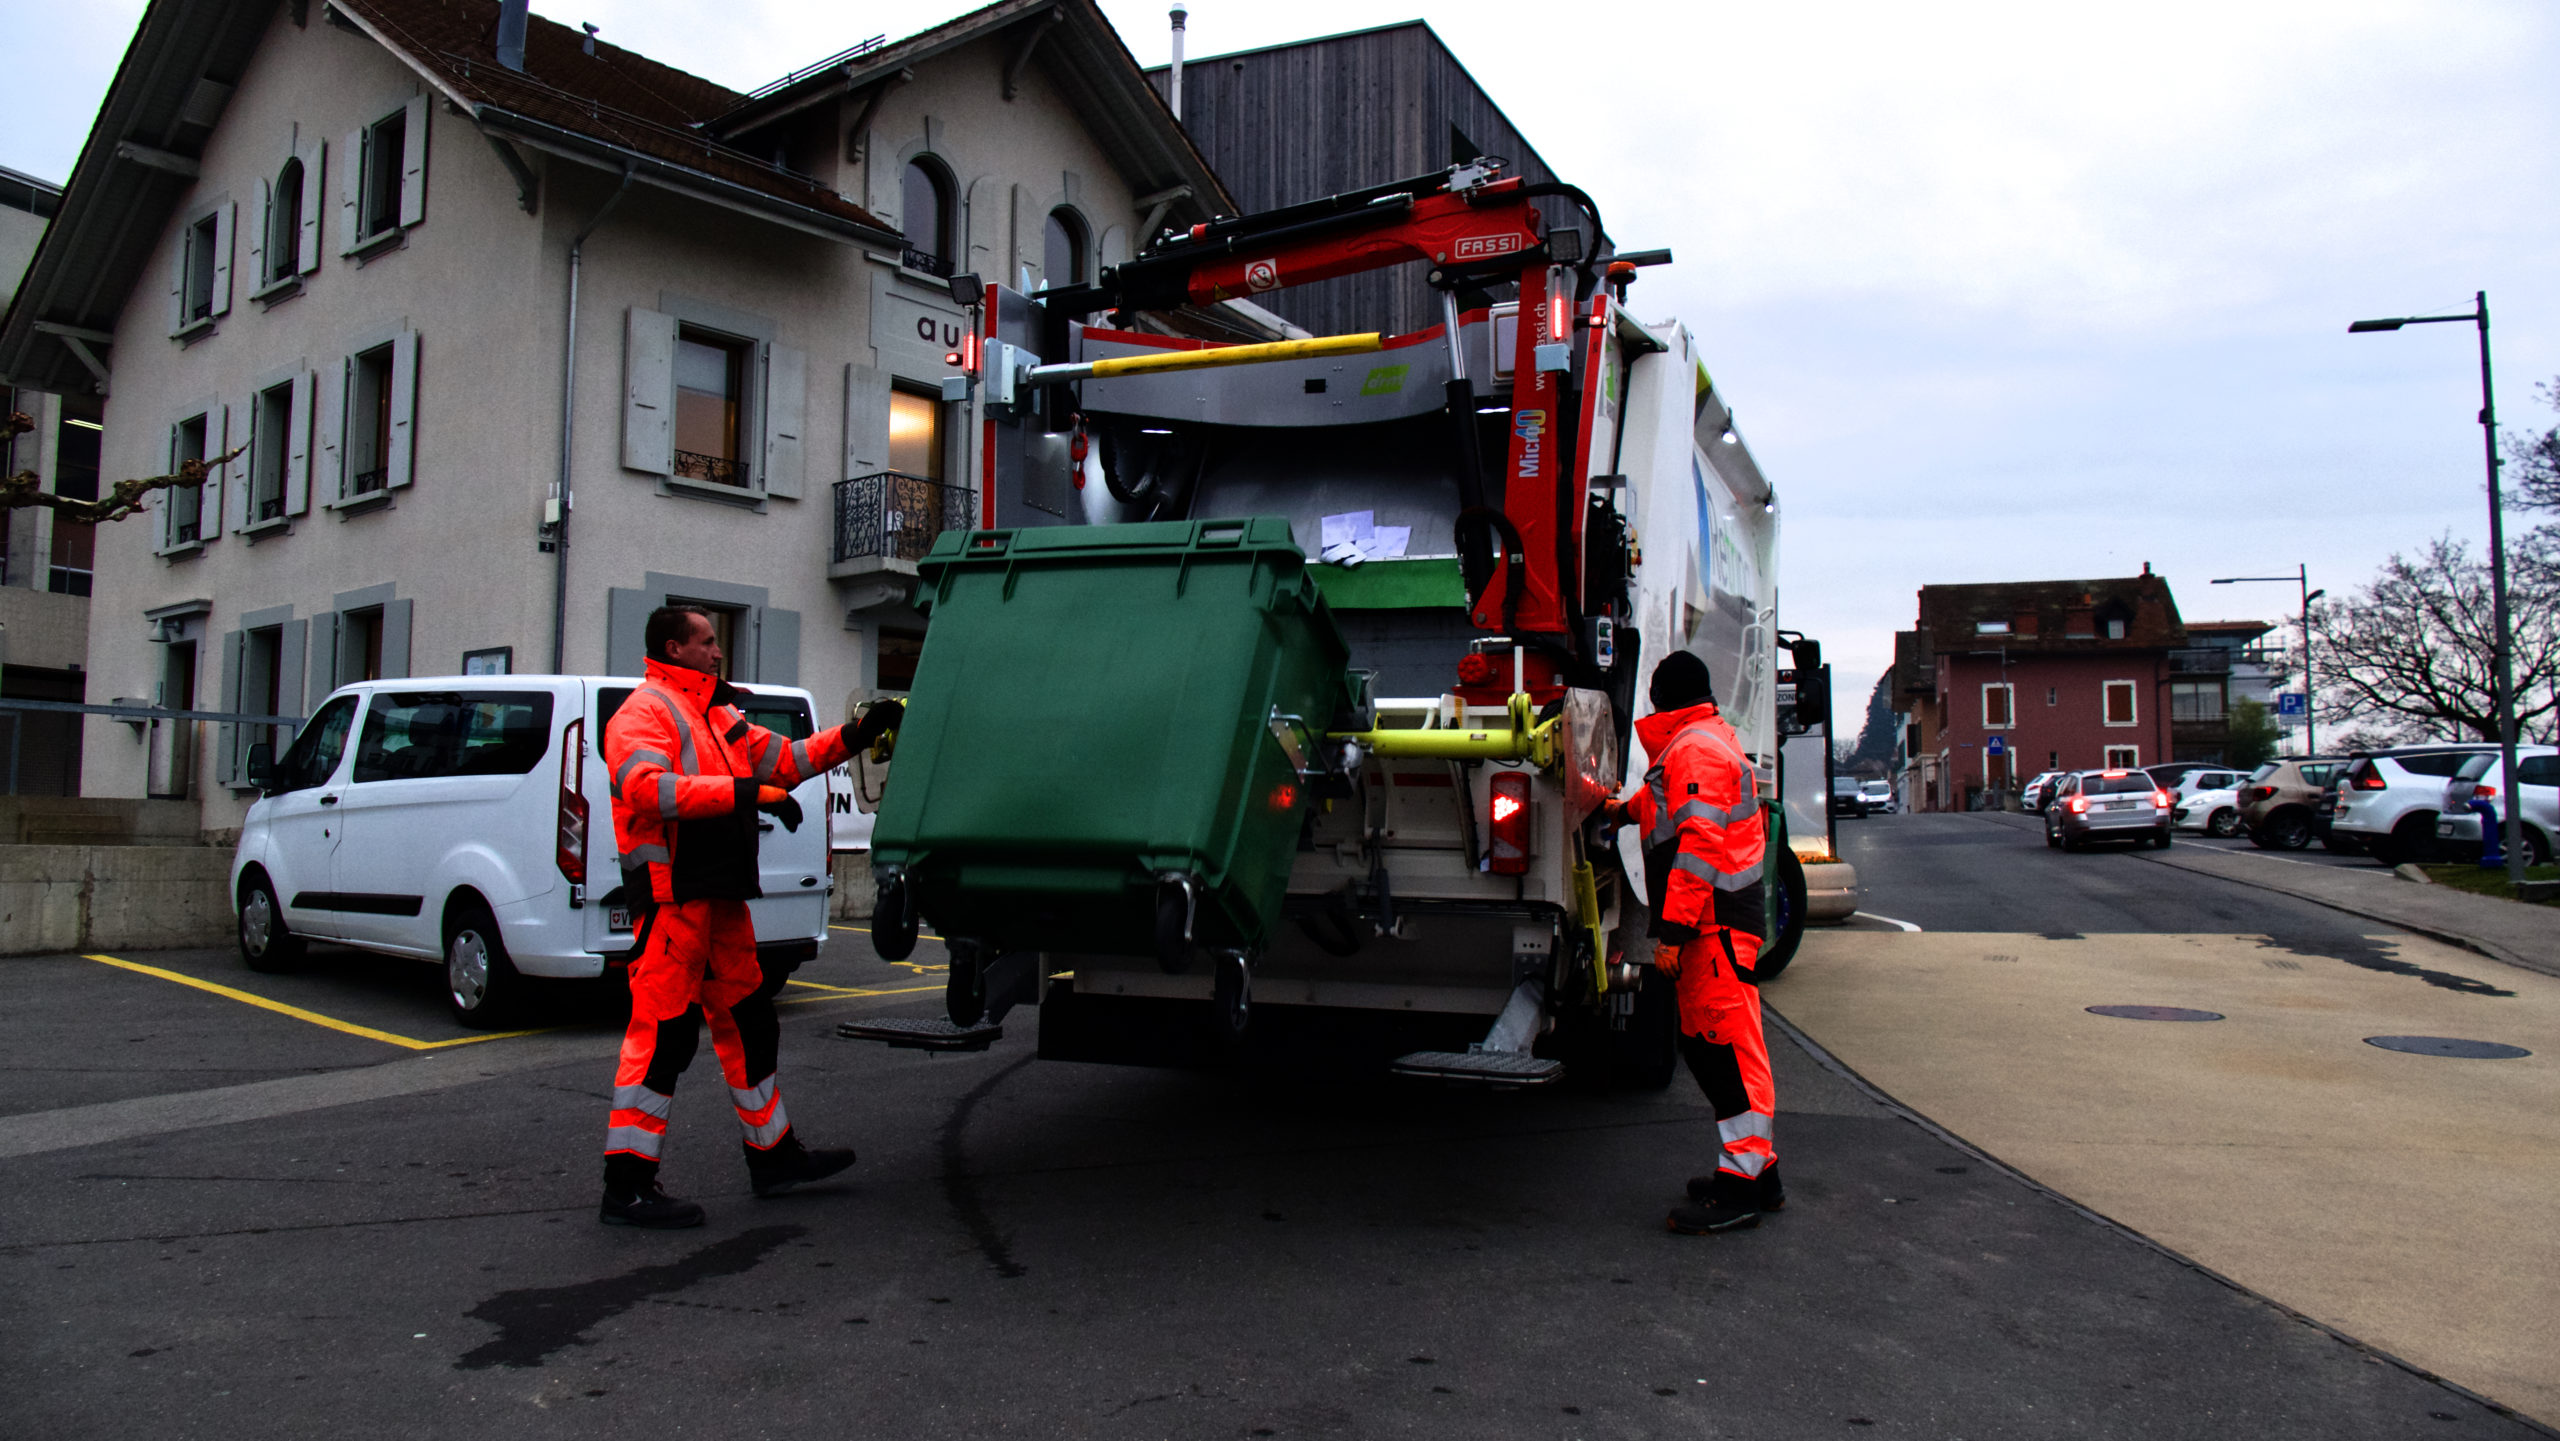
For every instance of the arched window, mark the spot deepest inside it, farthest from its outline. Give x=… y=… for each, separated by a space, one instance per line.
x=1062 y=260
x=284 y=225
x=924 y=207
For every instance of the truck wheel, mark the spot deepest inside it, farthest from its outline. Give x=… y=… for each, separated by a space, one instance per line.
x=265 y=944
x=480 y=983
x=1786 y=919
x=893 y=921
x=964 y=996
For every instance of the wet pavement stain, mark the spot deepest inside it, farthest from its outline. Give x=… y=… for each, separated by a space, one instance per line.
x=535 y=1322
x=960 y=1189
x=2372 y=955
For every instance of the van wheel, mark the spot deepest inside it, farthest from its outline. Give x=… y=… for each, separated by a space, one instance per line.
x=265 y=944
x=480 y=983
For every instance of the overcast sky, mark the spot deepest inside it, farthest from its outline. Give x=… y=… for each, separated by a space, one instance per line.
x=1998 y=292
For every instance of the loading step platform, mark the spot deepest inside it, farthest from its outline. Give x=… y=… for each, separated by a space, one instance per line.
x=1481 y=1068
x=909 y=1033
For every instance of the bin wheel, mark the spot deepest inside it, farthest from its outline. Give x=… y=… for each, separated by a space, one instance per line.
x=893 y=921
x=964 y=996
x=1174 y=917
x=1233 y=994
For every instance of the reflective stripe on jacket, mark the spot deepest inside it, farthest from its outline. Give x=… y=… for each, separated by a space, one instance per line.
x=1704 y=838
x=680 y=755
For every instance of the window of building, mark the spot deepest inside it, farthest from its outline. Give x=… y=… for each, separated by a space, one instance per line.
x=189 y=440
x=2115 y=630
x=73 y=560
x=1991 y=627
x=270 y=452
x=2119 y=703
x=711 y=389
x=201 y=238
x=915 y=433
x=386 y=145
x=262 y=687
x=1999 y=706
x=2053 y=695
x=369 y=421
x=2079 y=625
x=360 y=645
x=924 y=210
x=284 y=225
x=2195 y=700
x=2123 y=758
x=1063 y=249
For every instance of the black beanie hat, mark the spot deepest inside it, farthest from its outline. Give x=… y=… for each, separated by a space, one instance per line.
x=1681 y=681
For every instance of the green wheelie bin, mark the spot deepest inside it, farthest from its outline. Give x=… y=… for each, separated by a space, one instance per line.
x=1108 y=742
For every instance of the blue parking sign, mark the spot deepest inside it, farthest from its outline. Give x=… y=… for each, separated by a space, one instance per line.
x=1997 y=746
x=2290 y=703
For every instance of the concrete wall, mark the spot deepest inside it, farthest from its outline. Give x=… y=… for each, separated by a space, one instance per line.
x=112 y=898
x=91 y=820
x=43 y=630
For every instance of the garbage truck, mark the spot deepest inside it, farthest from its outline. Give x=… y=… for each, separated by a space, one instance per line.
x=1271 y=692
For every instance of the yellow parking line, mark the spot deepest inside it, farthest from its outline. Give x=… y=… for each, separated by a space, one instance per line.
x=857 y=991
x=866 y=930
x=314 y=1017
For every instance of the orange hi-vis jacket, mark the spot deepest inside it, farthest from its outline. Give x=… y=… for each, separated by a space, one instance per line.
x=686 y=766
x=1704 y=837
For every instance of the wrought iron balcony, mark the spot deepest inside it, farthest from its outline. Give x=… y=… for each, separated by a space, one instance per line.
x=711 y=469
x=933 y=265
x=893 y=516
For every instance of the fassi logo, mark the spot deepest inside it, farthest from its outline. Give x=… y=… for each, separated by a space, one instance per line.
x=1473 y=247
x=1530 y=427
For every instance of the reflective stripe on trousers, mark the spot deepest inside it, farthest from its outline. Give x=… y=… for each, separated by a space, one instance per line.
x=1726 y=1049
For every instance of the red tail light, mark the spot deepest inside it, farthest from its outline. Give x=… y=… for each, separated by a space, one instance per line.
x=2368 y=780
x=2160 y=799
x=2484 y=793
x=1508 y=855
x=2255 y=794
x=2079 y=805
x=572 y=850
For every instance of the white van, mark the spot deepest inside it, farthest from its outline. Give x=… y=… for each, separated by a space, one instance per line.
x=468 y=819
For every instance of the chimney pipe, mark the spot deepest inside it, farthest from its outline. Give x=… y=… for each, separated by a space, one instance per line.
x=1174 y=89
x=512 y=16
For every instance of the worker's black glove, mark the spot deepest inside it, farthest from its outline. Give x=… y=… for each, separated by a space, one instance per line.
x=781 y=807
x=880 y=720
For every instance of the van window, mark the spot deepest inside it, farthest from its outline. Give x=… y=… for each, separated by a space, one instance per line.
x=314 y=757
x=422 y=735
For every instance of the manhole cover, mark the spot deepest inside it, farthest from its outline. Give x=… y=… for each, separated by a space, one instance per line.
x=2448 y=1046
x=2154 y=1013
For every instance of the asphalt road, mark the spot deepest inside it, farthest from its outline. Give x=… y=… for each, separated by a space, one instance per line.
x=223 y=1219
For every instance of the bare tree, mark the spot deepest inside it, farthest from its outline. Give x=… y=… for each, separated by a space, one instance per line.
x=2412 y=650
x=23 y=489
x=2536 y=458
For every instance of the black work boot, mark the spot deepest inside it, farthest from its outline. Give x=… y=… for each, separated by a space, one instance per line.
x=1732 y=1204
x=1773 y=1192
x=789 y=1163
x=647 y=1206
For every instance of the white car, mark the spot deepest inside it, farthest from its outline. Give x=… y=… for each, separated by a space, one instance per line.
x=2387 y=801
x=2484 y=777
x=2214 y=812
x=2212 y=778
x=1876 y=796
x=469 y=820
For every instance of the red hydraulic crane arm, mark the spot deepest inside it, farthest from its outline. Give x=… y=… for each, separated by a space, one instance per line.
x=1460 y=230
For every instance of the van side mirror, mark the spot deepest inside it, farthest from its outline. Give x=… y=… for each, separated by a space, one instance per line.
x=260 y=765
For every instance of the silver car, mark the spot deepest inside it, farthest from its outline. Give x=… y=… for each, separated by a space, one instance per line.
x=2484 y=777
x=2107 y=806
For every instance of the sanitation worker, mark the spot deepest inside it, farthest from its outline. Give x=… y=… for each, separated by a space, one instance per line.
x=690 y=775
x=1704 y=844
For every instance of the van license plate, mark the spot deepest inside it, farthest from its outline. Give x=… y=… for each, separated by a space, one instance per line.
x=617 y=918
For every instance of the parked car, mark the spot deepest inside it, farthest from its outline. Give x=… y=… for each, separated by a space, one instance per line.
x=2214 y=812
x=2108 y=806
x=1844 y=797
x=2388 y=800
x=468 y=820
x=2197 y=778
x=2484 y=776
x=2170 y=773
x=2038 y=793
x=2324 y=812
x=1876 y=796
x=2276 y=802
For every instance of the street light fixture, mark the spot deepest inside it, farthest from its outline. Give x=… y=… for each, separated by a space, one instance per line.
x=2501 y=644
x=2301 y=577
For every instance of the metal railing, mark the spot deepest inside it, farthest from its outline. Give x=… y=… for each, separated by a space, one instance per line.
x=2200 y=660
x=369 y=481
x=896 y=516
x=934 y=265
x=693 y=465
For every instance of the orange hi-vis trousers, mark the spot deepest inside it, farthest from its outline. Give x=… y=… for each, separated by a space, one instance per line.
x=699 y=964
x=1721 y=1040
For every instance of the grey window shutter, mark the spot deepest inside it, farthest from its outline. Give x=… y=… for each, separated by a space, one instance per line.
x=297 y=456
x=351 y=192
x=395 y=637
x=290 y=639
x=786 y=414
x=178 y=279
x=314 y=155
x=168 y=506
x=413 y=164
x=329 y=431
x=225 y=220
x=236 y=418
x=778 y=647
x=649 y=392
x=403 y=450
x=227 y=744
x=626 y=619
x=866 y=421
x=264 y=221
x=324 y=657
x=217 y=439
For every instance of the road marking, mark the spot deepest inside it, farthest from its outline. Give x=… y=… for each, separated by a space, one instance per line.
x=866 y=930
x=1888 y=920
x=858 y=991
x=313 y=1017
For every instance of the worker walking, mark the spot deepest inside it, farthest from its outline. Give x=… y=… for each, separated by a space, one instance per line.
x=1704 y=847
x=690 y=774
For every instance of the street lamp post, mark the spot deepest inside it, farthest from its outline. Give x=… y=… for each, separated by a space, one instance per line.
x=2301 y=577
x=2501 y=644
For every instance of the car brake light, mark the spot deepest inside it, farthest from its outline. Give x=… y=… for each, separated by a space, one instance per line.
x=1508 y=855
x=2368 y=780
x=2079 y=805
x=2111 y=775
x=2484 y=793
x=572 y=849
x=2160 y=799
